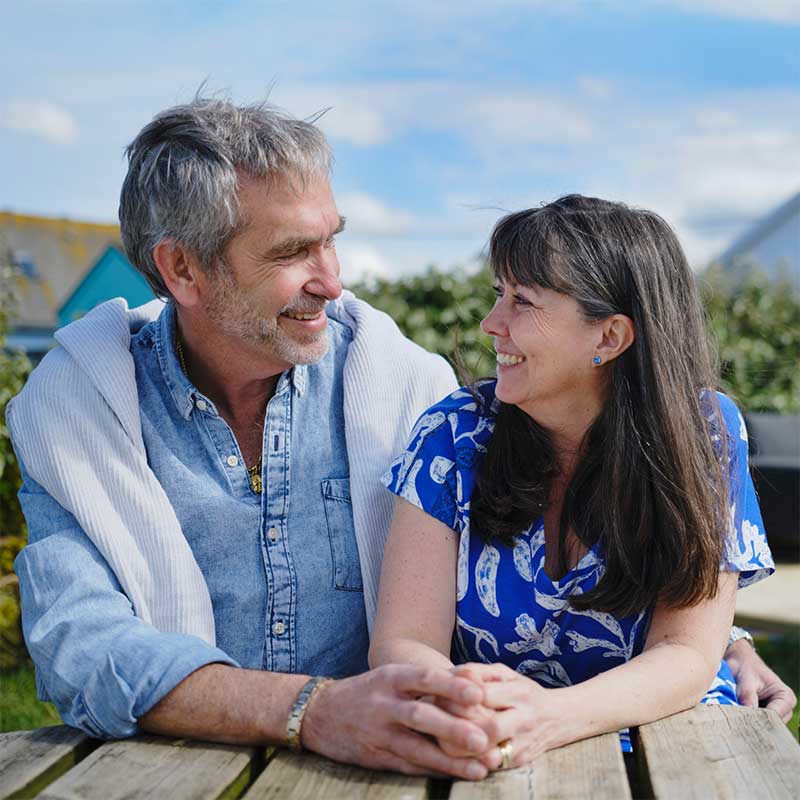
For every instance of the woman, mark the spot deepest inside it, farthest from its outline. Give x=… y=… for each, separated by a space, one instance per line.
x=585 y=519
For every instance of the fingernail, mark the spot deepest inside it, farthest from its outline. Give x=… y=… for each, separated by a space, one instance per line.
x=476 y=771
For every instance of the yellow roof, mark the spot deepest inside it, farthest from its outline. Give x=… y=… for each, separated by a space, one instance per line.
x=55 y=254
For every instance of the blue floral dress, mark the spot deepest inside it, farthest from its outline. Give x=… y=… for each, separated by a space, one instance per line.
x=507 y=608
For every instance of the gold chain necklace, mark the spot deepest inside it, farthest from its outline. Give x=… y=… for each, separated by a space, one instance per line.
x=254 y=472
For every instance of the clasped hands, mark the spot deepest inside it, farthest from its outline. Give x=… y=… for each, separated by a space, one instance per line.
x=513 y=714
x=424 y=721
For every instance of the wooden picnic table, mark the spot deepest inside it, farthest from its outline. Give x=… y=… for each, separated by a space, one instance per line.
x=706 y=752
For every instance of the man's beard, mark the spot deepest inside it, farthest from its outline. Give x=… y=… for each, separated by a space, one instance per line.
x=232 y=310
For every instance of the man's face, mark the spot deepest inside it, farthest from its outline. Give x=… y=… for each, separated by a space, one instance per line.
x=280 y=270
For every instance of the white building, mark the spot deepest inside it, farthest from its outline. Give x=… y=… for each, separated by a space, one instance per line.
x=772 y=244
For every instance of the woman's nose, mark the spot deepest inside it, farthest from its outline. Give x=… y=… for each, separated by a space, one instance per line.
x=494 y=323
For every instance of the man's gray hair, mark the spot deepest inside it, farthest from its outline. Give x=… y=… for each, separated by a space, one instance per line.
x=182 y=181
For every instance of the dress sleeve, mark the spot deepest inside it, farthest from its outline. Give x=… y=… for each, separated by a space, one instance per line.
x=746 y=549
x=425 y=474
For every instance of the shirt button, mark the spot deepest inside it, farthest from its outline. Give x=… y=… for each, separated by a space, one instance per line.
x=279 y=628
x=273 y=534
x=201 y=405
x=232 y=461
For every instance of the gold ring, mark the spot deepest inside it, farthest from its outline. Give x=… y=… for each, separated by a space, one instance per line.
x=507 y=751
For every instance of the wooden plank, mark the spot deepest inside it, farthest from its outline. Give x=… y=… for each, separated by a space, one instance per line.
x=590 y=768
x=297 y=776
x=30 y=760
x=720 y=751
x=151 y=766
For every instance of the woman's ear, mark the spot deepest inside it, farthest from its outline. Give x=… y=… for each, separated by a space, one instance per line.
x=617 y=335
x=180 y=271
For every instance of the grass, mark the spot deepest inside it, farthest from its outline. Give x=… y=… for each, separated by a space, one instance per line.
x=19 y=707
x=782 y=653
x=21 y=710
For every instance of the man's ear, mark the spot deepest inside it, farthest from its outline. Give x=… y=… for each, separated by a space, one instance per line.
x=181 y=271
x=617 y=335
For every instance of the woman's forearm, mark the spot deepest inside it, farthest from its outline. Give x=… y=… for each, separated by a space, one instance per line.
x=661 y=681
x=406 y=651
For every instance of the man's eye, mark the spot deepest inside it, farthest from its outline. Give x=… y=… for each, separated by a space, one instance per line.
x=331 y=242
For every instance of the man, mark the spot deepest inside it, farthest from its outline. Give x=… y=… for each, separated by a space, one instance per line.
x=205 y=517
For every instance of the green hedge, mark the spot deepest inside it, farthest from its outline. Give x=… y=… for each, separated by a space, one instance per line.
x=755 y=322
x=14 y=369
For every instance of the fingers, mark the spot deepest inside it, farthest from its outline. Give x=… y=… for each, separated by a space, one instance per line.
x=481 y=673
x=477 y=713
x=389 y=761
x=747 y=691
x=423 y=753
x=441 y=683
x=783 y=702
x=505 y=694
x=427 y=718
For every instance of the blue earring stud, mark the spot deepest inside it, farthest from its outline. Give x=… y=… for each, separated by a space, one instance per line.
x=596 y=360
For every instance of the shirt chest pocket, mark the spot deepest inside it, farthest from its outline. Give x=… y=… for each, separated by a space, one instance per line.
x=341 y=532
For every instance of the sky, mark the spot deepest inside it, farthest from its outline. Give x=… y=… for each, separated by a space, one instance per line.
x=442 y=115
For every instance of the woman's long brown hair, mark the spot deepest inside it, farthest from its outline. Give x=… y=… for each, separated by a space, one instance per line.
x=651 y=486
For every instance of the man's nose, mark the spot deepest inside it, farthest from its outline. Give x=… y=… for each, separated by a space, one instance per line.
x=326 y=281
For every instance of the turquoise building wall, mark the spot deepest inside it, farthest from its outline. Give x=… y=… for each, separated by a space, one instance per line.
x=111 y=276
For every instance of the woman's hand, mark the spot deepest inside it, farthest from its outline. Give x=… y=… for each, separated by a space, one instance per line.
x=516 y=711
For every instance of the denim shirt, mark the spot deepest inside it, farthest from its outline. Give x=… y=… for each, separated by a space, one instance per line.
x=282 y=567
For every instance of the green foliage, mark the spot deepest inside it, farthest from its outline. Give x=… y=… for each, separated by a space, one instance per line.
x=14 y=368
x=755 y=323
x=757 y=327
x=442 y=312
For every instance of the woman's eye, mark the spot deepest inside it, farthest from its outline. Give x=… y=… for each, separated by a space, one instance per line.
x=521 y=301
x=498 y=291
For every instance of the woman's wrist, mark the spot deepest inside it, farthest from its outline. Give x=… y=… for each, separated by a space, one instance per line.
x=567 y=719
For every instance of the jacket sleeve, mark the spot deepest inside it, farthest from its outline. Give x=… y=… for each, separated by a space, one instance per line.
x=101 y=666
x=76 y=447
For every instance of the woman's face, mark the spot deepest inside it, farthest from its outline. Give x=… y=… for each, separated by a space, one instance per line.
x=544 y=349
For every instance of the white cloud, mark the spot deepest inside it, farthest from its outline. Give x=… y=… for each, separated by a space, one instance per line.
x=358 y=114
x=710 y=165
x=47 y=120
x=787 y=11
x=367 y=214
x=492 y=117
x=361 y=261
x=363 y=127
x=525 y=117
x=710 y=168
x=595 y=87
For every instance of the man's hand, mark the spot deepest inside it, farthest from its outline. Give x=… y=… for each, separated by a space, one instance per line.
x=379 y=720
x=756 y=683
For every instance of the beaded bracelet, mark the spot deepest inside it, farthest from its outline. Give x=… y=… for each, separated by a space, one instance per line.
x=295 y=721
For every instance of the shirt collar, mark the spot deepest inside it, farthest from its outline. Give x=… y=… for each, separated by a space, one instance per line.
x=184 y=394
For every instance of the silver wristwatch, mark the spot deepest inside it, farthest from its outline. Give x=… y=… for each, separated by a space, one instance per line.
x=740 y=633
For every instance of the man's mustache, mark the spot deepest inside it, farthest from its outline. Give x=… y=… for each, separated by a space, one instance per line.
x=302 y=309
